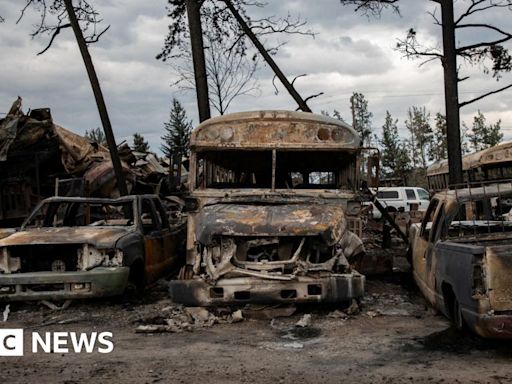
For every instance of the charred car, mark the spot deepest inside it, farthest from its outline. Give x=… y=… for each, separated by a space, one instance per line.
x=272 y=199
x=462 y=258
x=74 y=247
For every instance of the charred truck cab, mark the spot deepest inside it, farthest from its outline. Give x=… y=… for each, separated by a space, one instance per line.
x=78 y=247
x=272 y=194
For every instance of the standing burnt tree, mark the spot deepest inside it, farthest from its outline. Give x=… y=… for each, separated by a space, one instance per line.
x=229 y=63
x=83 y=20
x=491 y=54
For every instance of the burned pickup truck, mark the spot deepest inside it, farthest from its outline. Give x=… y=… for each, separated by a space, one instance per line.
x=272 y=196
x=462 y=258
x=74 y=247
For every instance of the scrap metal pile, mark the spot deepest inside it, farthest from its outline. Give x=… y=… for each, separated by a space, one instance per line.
x=35 y=152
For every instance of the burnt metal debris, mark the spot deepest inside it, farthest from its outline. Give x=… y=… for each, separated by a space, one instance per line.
x=73 y=247
x=271 y=204
x=35 y=152
x=461 y=257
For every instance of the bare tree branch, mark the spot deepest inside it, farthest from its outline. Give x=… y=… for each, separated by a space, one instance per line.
x=507 y=37
x=473 y=8
x=220 y=24
x=313 y=96
x=297 y=77
x=411 y=48
x=54 y=18
x=54 y=35
x=276 y=90
x=485 y=95
x=372 y=7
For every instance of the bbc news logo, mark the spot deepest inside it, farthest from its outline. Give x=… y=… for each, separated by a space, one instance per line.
x=12 y=342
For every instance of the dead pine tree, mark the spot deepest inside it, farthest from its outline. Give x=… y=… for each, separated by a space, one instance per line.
x=57 y=15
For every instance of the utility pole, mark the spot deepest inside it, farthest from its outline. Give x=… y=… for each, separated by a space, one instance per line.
x=98 y=95
x=451 y=95
x=196 y=40
x=248 y=31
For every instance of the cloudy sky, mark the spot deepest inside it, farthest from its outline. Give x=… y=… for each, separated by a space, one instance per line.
x=349 y=53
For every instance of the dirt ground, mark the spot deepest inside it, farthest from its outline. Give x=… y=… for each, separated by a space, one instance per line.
x=393 y=339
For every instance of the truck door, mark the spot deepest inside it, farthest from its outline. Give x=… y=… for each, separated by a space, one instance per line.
x=422 y=248
x=153 y=240
x=171 y=236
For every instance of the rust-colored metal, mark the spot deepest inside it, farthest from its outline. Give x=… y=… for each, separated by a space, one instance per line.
x=61 y=257
x=34 y=152
x=461 y=258
x=274 y=129
x=493 y=163
x=277 y=233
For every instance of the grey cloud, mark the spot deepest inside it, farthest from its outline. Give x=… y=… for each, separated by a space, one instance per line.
x=350 y=53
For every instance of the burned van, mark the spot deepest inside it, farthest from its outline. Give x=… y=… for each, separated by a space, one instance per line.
x=272 y=197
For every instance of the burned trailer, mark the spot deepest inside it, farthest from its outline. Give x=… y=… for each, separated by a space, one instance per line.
x=272 y=197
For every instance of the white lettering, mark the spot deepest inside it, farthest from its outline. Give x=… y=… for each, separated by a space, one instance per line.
x=45 y=344
x=105 y=338
x=83 y=341
x=60 y=342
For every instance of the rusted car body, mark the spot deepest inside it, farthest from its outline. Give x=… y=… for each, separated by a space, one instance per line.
x=72 y=247
x=462 y=258
x=272 y=195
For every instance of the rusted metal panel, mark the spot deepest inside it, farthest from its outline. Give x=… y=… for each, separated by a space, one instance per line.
x=99 y=237
x=334 y=288
x=59 y=257
x=272 y=220
x=498 y=278
x=462 y=258
x=272 y=129
x=100 y=282
x=266 y=231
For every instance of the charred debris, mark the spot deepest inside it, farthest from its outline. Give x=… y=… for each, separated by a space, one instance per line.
x=39 y=159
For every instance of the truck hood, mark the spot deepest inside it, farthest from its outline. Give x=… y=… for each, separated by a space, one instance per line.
x=100 y=237
x=327 y=220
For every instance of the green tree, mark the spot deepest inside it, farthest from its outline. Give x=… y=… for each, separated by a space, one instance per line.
x=418 y=124
x=97 y=136
x=439 y=149
x=177 y=136
x=484 y=136
x=335 y=114
x=139 y=144
x=395 y=158
x=361 y=117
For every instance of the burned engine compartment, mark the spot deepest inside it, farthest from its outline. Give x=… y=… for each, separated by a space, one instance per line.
x=279 y=258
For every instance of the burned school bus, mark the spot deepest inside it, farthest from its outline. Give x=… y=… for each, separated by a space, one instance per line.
x=490 y=164
x=272 y=195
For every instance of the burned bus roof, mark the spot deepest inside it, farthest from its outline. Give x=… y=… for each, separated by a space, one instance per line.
x=498 y=154
x=463 y=195
x=274 y=129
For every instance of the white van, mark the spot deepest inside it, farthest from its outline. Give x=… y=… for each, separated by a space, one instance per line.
x=394 y=198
